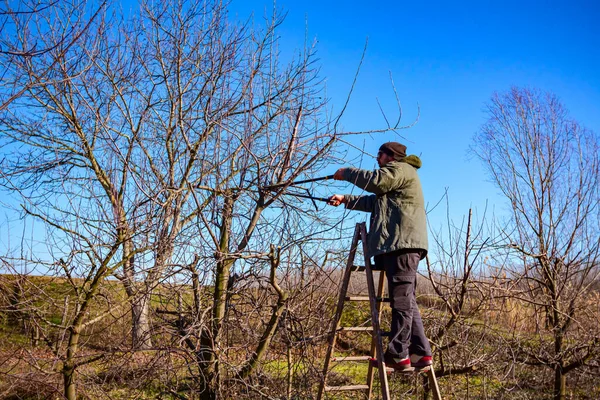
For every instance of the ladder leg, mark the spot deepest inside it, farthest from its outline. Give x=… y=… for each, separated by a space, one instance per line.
x=385 y=392
x=371 y=371
x=433 y=385
x=335 y=324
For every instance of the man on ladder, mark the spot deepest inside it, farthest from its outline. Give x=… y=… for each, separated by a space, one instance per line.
x=397 y=241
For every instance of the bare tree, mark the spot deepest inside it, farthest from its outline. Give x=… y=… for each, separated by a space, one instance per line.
x=548 y=168
x=163 y=135
x=456 y=278
x=24 y=23
x=62 y=308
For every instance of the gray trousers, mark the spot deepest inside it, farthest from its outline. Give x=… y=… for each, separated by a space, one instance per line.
x=407 y=335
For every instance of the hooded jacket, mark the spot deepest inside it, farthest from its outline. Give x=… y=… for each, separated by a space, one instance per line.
x=397 y=205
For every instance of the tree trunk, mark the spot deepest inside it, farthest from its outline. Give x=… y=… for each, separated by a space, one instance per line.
x=208 y=394
x=206 y=367
x=209 y=358
x=560 y=379
x=560 y=383
x=141 y=339
x=138 y=297
x=69 y=383
x=209 y=342
x=68 y=369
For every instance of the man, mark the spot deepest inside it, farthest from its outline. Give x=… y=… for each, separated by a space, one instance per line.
x=398 y=241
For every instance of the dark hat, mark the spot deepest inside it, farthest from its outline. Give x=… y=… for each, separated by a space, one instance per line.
x=394 y=149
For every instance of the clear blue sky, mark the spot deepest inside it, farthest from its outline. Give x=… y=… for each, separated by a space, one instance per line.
x=449 y=57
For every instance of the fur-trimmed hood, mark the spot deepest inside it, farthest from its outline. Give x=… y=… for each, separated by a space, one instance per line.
x=413 y=160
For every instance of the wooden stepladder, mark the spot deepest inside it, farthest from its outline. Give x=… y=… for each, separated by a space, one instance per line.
x=376 y=300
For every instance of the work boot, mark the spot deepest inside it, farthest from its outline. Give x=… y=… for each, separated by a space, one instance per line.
x=394 y=364
x=420 y=362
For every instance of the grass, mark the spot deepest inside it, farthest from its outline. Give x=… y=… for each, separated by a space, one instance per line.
x=156 y=373
x=11 y=337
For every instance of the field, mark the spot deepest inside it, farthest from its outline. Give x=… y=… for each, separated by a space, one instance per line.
x=475 y=361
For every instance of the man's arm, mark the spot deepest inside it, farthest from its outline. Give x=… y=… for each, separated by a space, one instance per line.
x=379 y=181
x=358 y=203
x=361 y=203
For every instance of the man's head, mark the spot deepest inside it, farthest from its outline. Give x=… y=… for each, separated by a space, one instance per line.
x=390 y=151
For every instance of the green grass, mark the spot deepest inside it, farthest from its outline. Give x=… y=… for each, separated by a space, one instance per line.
x=12 y=336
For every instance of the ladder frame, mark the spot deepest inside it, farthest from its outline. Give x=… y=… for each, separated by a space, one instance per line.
x=375 y=302
x=360 y=233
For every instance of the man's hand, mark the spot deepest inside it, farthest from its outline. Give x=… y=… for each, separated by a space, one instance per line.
x=339 y=174
x=336 y=200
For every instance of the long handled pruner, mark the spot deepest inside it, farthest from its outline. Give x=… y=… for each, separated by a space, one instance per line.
x=304 y=196
x=272 y=187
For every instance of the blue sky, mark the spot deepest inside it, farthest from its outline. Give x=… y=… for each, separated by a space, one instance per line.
x=449 y=57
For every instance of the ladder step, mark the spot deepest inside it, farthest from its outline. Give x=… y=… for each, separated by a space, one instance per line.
x=351 y=358
x=366 y=298
x=356 y=329
x=349 y=387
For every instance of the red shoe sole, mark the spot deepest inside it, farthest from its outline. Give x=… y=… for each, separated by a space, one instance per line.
x=389 y=370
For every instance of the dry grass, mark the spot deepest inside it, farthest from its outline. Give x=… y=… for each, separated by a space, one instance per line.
x=483 y=336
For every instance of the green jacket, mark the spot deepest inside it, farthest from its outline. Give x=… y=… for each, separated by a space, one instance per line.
x=397 y=206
